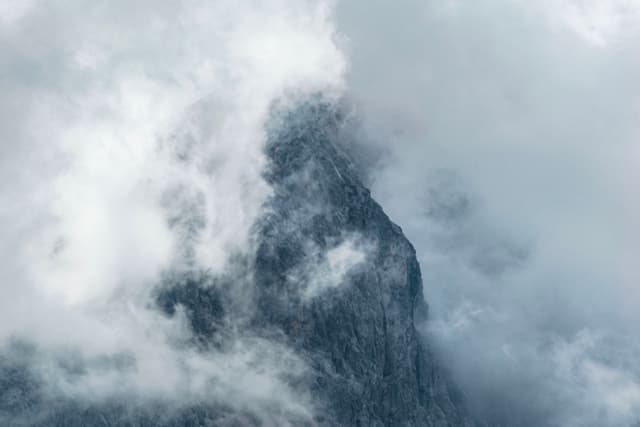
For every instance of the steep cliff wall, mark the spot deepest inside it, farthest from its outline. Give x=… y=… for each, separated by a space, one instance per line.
x=330 y=279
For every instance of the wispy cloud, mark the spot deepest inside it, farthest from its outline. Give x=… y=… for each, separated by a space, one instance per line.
x=132 y=144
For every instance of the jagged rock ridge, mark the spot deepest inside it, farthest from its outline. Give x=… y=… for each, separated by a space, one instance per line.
x=379 y=371
x=367 y=365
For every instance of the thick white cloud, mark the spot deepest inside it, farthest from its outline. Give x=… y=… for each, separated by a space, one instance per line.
x=132 y=138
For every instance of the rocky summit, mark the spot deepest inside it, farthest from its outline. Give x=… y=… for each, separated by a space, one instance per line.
x=371 y=367
x=329 y=278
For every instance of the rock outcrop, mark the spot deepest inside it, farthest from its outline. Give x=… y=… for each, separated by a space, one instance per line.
x=371 y=366
x=331 y=278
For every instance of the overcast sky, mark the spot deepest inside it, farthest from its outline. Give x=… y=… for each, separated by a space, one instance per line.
x=513 y=135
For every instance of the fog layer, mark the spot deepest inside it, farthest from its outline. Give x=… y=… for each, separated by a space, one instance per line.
x=511 y=137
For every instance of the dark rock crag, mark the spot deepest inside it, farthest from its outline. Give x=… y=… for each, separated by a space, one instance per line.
x=367 y=365
x=372 y=367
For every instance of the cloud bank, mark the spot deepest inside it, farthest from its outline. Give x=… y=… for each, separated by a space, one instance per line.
x=512 y=136
x=132 y=145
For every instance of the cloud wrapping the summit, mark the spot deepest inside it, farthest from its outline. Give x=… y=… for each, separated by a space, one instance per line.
x=132 y=144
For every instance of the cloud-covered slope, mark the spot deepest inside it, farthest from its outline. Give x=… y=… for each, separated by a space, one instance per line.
x=313 y=326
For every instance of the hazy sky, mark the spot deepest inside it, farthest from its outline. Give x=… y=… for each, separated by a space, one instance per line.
x=513 y=134
x=510 y=134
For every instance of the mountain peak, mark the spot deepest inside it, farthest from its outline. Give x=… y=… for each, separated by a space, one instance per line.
x=322 y=310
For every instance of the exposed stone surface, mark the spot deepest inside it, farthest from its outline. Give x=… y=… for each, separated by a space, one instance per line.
x=371 y=366
x=355 y=331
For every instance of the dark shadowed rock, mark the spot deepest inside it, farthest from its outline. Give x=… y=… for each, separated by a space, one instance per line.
x=331 y=277
x=370 y=366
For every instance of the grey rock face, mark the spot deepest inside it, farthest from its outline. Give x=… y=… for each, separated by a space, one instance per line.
x=371 y=367
x=332 y=278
